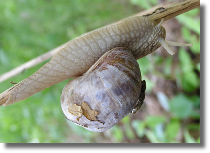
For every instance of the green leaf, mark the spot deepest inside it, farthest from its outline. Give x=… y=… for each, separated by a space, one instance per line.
x=190 y=81
x=168 y=64
x=181 y=106
x=193 y=12
x=128 y=131
x=191 y=23
x=117 y=133
x=126 y=119
x=185 y=60
x=172 y=129
x=159 y=131
x=196 y=101
x=144 y=65
x=188 y=138
x=151 y=136
x=198 y=141
x=163 y=99
x=139 y=127
x=152 y=121
x=191 y=38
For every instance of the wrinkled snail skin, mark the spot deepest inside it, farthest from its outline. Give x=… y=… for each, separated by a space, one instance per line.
x=138 y=34
x=111 y=87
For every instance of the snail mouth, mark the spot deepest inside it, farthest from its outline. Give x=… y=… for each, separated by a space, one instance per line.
x=166 y=44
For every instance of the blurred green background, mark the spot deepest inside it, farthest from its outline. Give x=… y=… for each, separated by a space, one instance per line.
x=171 y=111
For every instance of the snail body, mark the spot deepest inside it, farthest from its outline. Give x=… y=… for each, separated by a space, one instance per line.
x=141 y=35
x=106 y=93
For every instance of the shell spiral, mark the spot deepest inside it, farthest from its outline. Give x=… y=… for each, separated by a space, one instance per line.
x=110 y=89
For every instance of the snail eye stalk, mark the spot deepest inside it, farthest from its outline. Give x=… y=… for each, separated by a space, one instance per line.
x=165 y=44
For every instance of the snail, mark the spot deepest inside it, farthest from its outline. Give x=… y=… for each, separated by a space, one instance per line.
x=138 y=35
x=106 y=93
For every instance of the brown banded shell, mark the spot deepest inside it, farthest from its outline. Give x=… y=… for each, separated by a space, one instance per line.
x=105 y=94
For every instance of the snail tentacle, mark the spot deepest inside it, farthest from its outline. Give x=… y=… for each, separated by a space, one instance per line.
x=171 y=43
x=165 y=45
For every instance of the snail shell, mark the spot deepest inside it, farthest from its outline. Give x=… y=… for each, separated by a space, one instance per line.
x=106 y=93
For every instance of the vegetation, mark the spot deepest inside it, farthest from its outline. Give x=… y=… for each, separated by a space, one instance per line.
x=31 y=28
